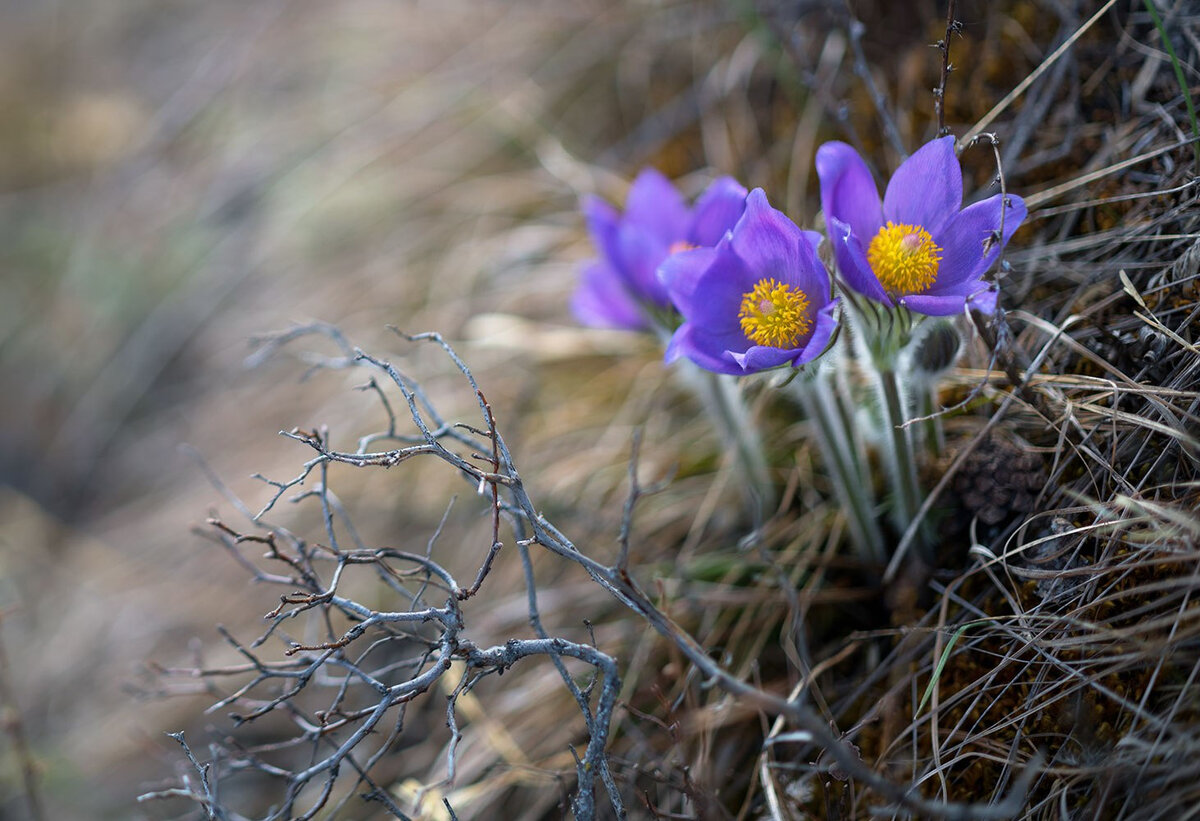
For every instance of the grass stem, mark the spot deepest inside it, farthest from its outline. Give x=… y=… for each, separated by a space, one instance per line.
x=1183 y=86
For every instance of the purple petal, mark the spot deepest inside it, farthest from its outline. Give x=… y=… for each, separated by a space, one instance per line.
x=811 y=276
x=926 y=189
x=640 y=255
x=934 y=305
x=964 y=287
x=852 y=262
x=602 y=301
x=848 y=192
x=812 y=238
x=982 y=299
x=676 y=345
x=760 y=358
x=963 y=238
x=602 y=223
x=981 y=296
x=680 y=272
x=767 y=241
x=657 y=207
x=717 y=338
x=705 y=350
x=821 y=334
x=718 y=294
x=717 y=211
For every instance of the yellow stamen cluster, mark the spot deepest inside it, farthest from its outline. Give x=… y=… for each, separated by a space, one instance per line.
x=774 y=314
x=680 y=245
x=904 y=258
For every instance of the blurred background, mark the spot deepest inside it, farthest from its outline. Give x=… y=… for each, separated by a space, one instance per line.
x=178 y=177
x=175 y=178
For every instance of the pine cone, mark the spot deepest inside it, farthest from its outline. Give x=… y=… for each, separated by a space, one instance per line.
x=1000 y=480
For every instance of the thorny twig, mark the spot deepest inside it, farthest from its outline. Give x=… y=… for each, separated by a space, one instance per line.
x=953 y=26
x=386 y=658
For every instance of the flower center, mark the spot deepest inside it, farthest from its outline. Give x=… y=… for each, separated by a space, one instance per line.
x=904 y=258
x=774 y=314
x=681 y=245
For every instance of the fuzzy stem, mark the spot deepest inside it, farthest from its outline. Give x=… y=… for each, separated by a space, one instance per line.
x=838 y=393
x=899 y=450
x=931 y=426
x=723 y=402
x=851 y=486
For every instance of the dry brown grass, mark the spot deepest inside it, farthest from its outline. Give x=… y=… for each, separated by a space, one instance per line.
x=179 y=178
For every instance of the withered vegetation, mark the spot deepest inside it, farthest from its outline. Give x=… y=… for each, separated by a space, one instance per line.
x=505 y=569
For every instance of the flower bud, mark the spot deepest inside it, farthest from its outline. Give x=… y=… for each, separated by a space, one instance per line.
x=936 y=349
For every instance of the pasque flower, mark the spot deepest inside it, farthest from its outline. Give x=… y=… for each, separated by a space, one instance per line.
x=918 y=247
x=760 y=299
x=620 y=289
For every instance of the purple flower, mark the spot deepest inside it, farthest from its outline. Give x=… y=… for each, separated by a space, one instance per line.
x=620 y=289
x=760 y=299
x=918 y=247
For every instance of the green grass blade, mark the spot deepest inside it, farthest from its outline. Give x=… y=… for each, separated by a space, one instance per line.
x=937 y=671
x=1187 y=94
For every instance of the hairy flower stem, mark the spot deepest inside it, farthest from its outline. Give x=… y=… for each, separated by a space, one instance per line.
x=727 y=410
x=931 y=425
x=841 y=458
x=899 y=452
x=722 y=400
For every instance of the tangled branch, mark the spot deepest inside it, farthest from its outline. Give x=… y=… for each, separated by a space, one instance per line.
x=346 y=690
